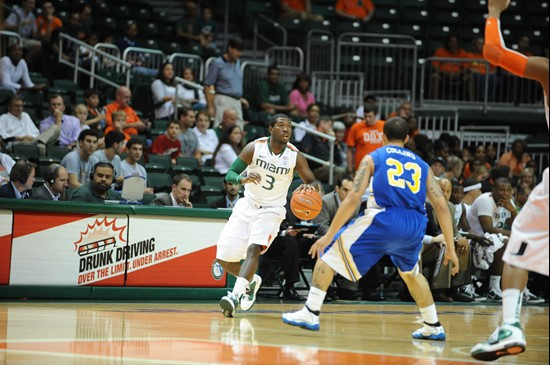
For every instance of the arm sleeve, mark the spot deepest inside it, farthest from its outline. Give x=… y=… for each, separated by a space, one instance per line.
x=485 y=206
x=27 y=82
x=496 y=52
x=236 y=169
x=5 y=78
x=158 y=92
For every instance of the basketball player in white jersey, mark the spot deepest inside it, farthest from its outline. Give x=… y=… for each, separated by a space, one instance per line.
x=527 y=248
x=269 y=163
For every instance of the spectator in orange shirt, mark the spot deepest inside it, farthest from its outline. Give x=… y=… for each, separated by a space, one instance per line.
x=364 y=137
x=119 y=119
x=404 y=111
x=516 y=159
x=450 y=73
x=298 y=9
x=47 y=22
x=479 y=70
x=133 y=124
x=361 y=10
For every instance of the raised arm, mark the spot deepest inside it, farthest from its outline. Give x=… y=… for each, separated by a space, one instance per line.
x=495 y=51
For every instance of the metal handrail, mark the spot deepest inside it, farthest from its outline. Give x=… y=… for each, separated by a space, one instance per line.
x=309 y=51
x=332 y=139
x=199 y=59
x=285 y=48
x=257 y=35
x=95 y=52
x=461 y=60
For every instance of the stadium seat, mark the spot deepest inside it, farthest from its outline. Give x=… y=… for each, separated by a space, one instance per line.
x=57 y=152
x=196 y=182
x=421 y=16
x=216 y=181
x=209 y=171
x=27 y=151
x=176 y=170
x=211 y=199
x=159 y=181
x=189 y=162
x=140 y=13
x=160 y=124
x=387 y=13
x=162 y=160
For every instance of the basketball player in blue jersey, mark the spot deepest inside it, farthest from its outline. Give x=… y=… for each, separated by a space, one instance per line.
x=527 y=248
x=269 y=163
x=394 y=224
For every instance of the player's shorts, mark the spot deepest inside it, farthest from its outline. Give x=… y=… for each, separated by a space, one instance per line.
x=528 y=244
x=249 y=224
x=363 y=242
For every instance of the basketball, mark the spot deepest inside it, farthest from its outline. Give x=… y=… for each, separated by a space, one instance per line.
x=306 y=205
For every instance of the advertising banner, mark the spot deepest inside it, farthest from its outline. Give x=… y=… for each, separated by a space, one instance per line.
x=173 y=251
x=6 y=217
x=68 y=249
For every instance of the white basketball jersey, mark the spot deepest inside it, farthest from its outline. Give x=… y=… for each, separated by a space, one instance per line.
x=277 y=172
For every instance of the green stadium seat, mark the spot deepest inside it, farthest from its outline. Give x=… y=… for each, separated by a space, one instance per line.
x=27 y=151
x=159 y=181
x=216 y=181
x=211 y=199
x=57 y=152
x=162 y=160
x=190 y=162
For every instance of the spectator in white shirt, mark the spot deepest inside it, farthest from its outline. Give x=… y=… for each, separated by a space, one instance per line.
x=230 y=146
x=208 y=140
x=164 y=91
x=16 y=126
x=313 y=113
x=6 y=163
x=14 y=73
x=130 y=165
x=194 y=96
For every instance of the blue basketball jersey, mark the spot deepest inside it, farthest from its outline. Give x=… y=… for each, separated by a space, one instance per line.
x=399 y=180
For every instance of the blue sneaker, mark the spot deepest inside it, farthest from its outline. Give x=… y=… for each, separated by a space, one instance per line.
x=302 y=318
x=427 y=332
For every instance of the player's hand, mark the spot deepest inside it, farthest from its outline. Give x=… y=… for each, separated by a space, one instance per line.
x=506 y=204
x=461 y=244
x=252 y=177
x=319 y=246
x=482 y=241
x=450 y=255
x=498 y=5
x=304 y=188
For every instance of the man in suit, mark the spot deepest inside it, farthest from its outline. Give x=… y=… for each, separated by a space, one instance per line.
x=21 y=181
x=230 y=198
x=179 y=196
x=331 y=202
x=56 y=184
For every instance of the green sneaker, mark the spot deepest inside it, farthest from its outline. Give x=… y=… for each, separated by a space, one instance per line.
x=506 y=340
x=247 y=300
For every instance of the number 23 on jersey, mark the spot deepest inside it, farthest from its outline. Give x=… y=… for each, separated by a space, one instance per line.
x=396 y=169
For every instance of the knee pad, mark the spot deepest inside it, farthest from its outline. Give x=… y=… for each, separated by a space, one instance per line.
x=415 y=271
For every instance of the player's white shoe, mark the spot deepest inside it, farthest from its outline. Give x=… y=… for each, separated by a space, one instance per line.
x=229 y=304
x=506 y=340
x=428 y=332
x=302 y=318
x=247 y=300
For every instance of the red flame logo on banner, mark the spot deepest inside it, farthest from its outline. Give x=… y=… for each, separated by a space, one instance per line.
x=102 y=226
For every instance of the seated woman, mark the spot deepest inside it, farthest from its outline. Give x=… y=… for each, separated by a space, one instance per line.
x=207 y=137
x=230 y=146
x=190 y=95
x=164 y=91
x=300 y=96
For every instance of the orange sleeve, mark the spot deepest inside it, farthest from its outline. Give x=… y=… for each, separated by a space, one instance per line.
x=496 y=52
x=350 y=141
x=109 y=115
x=339 y=5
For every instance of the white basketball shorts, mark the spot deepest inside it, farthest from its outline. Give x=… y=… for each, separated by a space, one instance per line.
x=249 y=224
x=528 y=244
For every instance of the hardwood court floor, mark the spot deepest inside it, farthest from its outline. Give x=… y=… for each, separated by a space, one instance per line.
x=174 y=333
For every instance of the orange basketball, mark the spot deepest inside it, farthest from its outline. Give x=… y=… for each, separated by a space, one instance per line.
x=306 y=205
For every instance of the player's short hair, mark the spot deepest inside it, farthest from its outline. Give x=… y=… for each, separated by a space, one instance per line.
x=273 y=120
x=87 y=132
x=179 y=177
x=132 y=142
x=396 y=129
x=502 y=181
x=113 y=137
x=174 y=122
x=370 y=107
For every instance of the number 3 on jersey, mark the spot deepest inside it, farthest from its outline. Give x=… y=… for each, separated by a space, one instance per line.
x=396 y=169
x=270 y=180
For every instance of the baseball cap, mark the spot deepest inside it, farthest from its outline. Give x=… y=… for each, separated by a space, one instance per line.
x=438 y=159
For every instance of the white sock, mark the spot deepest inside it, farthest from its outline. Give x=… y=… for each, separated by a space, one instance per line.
x=511 y=305
x=429 y=314
x=240 y=286
x=494 y=282
x=315 y=298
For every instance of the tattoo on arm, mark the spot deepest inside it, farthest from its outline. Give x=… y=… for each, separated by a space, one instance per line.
x=434 y=188
x=360 y=175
